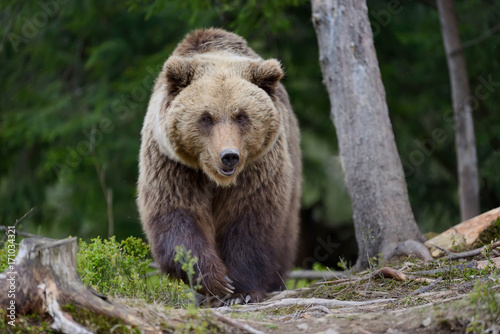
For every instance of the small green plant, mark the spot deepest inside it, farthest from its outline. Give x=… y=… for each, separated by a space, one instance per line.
x=188 y=263
x=487 y=310
x=121 y=269
x=367 y=236
x=491 y=265
x=459 y=244
x=343 y=264
x=114 y=268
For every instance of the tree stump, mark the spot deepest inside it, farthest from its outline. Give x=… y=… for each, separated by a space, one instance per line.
x=43 y=277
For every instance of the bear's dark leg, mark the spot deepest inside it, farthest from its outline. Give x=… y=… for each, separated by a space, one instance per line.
x=250 y=248
x=178 y=227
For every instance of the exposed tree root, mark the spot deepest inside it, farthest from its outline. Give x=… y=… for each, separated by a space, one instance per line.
x=389 y=272
x=287 y=302
x=411 y=248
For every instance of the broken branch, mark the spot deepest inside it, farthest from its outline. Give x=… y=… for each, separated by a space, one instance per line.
x=478 y=251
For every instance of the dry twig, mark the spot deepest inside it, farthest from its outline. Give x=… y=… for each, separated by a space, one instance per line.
x=23 y=234
x=428 y=287
x=477 y=251
x=459 y=267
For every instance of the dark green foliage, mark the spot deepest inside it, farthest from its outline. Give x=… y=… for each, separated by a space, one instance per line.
x=492 y=233
x=120 y=269
x=111 y=267
x=415 y=75
x=77 y=75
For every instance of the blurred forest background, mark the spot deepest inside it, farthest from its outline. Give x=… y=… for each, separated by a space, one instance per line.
x=76 y=78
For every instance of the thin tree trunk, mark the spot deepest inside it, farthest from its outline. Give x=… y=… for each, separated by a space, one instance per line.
x=383 y=218
x=464 y=125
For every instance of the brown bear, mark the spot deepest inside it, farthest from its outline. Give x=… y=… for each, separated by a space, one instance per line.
x=220 y=167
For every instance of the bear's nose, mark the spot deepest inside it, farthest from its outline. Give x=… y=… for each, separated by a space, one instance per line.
x=230 y=157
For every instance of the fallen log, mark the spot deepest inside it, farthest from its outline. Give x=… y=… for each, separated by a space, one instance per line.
x=464 y=234
x=43 y=278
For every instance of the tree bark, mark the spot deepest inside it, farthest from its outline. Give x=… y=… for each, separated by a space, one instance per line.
x=383 y=219
x=43 y=277
x=464 y=124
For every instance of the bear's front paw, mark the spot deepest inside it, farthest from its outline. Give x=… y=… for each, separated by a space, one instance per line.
x=242 y=298
x=214 y=286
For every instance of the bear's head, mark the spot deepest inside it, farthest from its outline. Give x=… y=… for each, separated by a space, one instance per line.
x=218 y=113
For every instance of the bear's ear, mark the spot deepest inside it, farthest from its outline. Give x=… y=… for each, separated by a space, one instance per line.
x=266 y=75
x=179 y=73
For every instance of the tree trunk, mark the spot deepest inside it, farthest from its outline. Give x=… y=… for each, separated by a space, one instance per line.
x=464 y=125
x=383 y=218
x=43 y=277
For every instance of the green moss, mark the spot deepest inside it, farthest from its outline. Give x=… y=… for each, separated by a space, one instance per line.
x=27 y=324
x=492 y=233
x=98 y=323
x=285 y=310
x=4 y=254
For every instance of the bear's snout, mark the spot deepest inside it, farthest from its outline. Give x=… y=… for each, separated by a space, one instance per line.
x=230 y=157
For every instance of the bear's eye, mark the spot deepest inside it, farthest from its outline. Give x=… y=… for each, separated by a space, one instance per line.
x=241 y=118
x=207 y=119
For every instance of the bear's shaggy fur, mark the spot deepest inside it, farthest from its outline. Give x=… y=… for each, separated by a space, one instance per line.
x=213 y=94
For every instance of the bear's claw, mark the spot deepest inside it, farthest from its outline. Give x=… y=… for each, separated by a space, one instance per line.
x=239 y=300
x=228 y=286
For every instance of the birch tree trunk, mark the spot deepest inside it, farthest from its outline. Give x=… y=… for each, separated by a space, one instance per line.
x=383 y=219
x=464 y=125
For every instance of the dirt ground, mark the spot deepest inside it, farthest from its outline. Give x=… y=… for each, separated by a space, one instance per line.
x=449 y=301
x=443 y=296
x=445 y=311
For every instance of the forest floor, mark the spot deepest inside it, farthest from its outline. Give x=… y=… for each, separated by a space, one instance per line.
x=440 y=297
x=443 y=296
x=454 y=293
